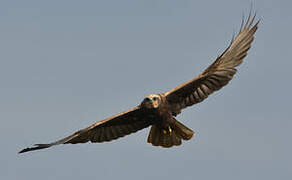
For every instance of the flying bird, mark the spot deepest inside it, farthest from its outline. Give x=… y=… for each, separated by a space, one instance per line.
x=160 y=110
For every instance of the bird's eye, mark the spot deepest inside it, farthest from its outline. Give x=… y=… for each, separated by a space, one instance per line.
x=147 y=99
x=155 y=98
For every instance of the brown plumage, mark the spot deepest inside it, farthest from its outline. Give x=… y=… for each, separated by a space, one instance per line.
x=159 y=110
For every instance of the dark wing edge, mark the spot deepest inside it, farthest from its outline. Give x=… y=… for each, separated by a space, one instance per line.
x=109 y=129
x=218 y=74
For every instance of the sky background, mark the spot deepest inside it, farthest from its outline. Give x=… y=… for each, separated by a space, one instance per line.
x=65 y=64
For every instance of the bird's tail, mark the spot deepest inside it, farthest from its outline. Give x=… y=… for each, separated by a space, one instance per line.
x=171 y=137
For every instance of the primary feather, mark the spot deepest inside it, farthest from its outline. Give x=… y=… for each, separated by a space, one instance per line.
x=217 y=75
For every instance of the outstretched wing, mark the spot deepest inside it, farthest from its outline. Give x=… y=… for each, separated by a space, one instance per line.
x=217 y=75
x=106 y=130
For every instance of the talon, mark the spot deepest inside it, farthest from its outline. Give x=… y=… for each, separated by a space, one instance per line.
x=170 y=130
x=164 y=131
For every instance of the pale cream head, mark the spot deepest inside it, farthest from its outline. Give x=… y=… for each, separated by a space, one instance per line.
x=152 y=101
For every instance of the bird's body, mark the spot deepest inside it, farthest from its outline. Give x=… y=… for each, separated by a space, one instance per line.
x=166 y=131
x=160 y=107
x=160 y=110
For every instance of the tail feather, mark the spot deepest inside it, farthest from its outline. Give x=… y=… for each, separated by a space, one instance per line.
x=182 y=131
x=158 y=138
x=171 y=138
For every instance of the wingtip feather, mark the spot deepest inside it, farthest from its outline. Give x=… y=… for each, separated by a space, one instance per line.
x=38 y=146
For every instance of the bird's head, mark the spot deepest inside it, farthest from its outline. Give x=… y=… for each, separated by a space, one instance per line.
x=151 y=101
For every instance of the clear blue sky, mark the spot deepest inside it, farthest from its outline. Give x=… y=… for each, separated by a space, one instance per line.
x=67 y=64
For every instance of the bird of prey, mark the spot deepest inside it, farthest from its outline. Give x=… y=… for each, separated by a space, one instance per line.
x=160 y=110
